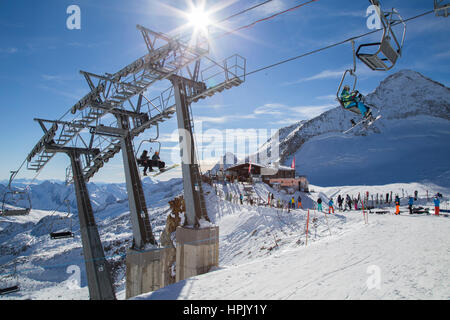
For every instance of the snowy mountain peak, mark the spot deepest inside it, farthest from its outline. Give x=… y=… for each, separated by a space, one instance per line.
x=415 y=113
x=409 y=93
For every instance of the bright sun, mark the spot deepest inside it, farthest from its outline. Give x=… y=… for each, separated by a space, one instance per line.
x=199 y=19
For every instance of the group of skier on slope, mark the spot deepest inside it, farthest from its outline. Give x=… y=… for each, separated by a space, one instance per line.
x=340 y=200
x=344 y=203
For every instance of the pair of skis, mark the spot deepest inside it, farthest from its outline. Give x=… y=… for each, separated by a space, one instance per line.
x=163 y=170
x=365 y=122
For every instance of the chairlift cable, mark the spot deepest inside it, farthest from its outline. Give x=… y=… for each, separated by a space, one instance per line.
x=243 y=11
x=264 y=19
x=331 y=45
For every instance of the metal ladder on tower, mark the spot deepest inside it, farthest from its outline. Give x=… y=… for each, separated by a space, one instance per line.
x=144 y=214
x=201 y=197
x=196 y=171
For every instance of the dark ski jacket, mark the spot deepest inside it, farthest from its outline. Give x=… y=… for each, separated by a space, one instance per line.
x=144 y=156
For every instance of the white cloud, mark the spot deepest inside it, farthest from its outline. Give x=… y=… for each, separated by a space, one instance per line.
x=326 y=74
x=295 y=113
x=329 y=97
x=269 y=109
x=9 y=50
x=308 y=112
x=441 y=55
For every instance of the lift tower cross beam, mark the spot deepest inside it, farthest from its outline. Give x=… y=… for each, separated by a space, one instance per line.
x=97 y=268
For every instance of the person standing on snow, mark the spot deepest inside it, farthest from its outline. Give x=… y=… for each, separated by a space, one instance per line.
x=319 y=204
x=340 y=200
x=299 y=200
x=397 y=205
x=437 y=203
x=241 y=198
x=410 y=205
x=349 y=202
x=293 y=203
x=330 y=206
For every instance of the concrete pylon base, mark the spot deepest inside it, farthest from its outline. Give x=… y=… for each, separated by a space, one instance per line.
x=197 y=251
x=148 y=271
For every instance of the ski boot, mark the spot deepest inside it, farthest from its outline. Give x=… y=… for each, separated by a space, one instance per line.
x=368 y=117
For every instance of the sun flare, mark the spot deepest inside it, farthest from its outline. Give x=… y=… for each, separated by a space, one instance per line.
x=199 y=19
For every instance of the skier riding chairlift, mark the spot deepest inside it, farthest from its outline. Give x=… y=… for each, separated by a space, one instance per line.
x=148 y=163
x=353 y=101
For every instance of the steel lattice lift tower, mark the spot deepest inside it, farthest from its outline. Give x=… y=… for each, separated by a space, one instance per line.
x=87 y=136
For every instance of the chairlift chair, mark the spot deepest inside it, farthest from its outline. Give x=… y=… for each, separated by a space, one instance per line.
x=441 y=8
x=347 y=73
x=7 y=289
x=150 y=141
x=13 y=195
x=389 y=49
x=63 y=234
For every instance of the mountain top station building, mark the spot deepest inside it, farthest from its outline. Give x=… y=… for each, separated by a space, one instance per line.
x=277 y=176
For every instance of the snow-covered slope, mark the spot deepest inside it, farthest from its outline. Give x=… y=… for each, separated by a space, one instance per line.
x=254 y=241
x=382 y=260
x=263 y=251
x=42 y=264
x=411 y=142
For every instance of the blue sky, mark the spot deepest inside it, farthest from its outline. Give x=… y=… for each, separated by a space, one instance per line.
x=40 y=61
